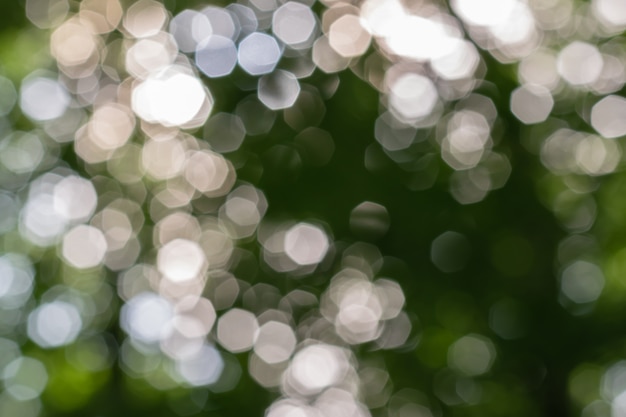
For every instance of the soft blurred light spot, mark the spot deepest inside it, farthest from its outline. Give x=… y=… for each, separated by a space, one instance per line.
x=608 y=116
x=40 y=222
x=376 y=386
x=10 y=406
x=147 y=317
x=391 y=297
x=145 y=18
x=179 y=225
x=308 y=110
x=580 y=63
x=531 y=103
x=467 y=140
x=84 y=247
x=209 y=173
x=103 y=15
x=392 y=134
x=224 y=132
x=111 y=126
x=582 y=282
x=470 y=186
x=237 y=330
x=216 y=56
x=25 y=378
x=539 y=68
x=135 y=280
x=326 y=58
x=315 y=368
x=189 y=28
x=181 y=260
x=472 y=354
x=170 y=97
x=243 y=214
x=558 y=151
x=516 y=35
x=116 y=226
x=54 y=324
x=150 y=54
x=265 y=374
x=46 y=14
x=75 y=198
x=294 y=24
x=611 y=12
x=450 y=251
x=195 y=316
x=21 y=152
x=598 y=156
x=221 y=21
x=258 y=53
x=245 y=17
x=369 y=219
x=289 y=408
x=613 y=76
x=306 y=244
x=360 y=311
x=278 y=90
x=224 y=292
x=202 y=368
x=8 y=96
x=613 y=383
x=341 y=402
x=418 y=38
x=380 y=15
x=618 y=405
x=63 y=129
x=460 y=62
x=275 y=342
x=412 y=97
x=16 y=280
x=163 y=158
x=10 y=351
x=9 y=207
x=74 y=46
x=43 y=98
x=264 y=6
x=256 y=117
x=244 y=209
x=348 y=37
x=484 y=12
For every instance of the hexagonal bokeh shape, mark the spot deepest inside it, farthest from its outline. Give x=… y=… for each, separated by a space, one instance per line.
x=278 y=90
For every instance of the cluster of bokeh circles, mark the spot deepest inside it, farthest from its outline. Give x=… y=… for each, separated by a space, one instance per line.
x=157 y=203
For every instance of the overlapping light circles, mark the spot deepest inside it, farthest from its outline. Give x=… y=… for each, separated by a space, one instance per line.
x=164 y=211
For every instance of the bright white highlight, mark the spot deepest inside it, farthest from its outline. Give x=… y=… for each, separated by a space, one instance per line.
x=484 y=12
x=43 y=98
x=306 y=244
x=579 y=63
x=181 y=260
x=170 y=97
x=316 y=367
x=147 y=317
